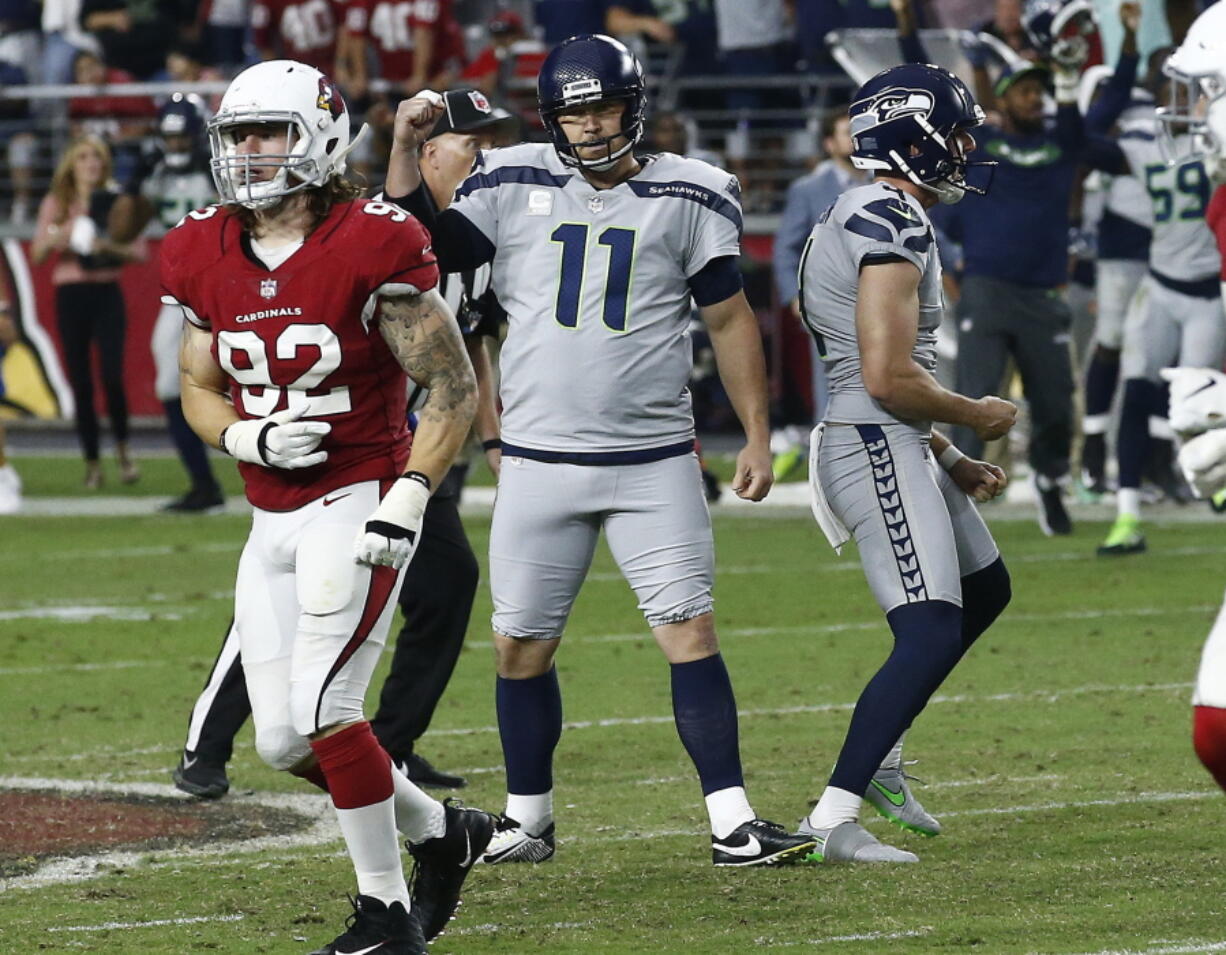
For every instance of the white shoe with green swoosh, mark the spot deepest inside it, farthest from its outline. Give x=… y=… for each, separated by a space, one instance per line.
x=890 y=795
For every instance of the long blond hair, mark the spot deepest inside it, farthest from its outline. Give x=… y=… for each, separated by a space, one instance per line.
x=64 y=179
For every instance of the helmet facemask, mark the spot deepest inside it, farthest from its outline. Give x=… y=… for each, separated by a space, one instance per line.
x=233 y=171
x=631 y=129
x=937 y=161
x=1186 y=133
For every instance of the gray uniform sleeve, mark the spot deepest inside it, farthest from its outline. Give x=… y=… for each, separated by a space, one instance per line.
x=716 y=226
x=886 y=228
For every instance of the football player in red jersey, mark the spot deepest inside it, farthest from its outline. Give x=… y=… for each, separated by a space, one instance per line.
x=307 y=30
x=305 y=307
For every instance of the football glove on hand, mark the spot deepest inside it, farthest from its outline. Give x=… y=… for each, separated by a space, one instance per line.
x=1203 y=462
x=278 y=441
x=391 y=535
x=1198 y=400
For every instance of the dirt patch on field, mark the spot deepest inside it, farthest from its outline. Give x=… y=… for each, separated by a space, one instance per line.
x=35 y=826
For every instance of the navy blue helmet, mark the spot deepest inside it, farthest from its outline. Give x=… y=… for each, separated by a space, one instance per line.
x=590 y=69
x=905 y=122
x=1060 y=29
x=181 y=128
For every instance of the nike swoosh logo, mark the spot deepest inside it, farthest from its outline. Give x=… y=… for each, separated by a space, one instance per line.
x=468 y=851
x=1205 y=387
x=751 y=848
x=906 y=213
x=364 y=951
x=895 y=798
x=328 y=501
x=189 y=763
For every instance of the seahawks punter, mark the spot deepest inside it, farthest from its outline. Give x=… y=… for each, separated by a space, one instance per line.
x=596 y=255
x=870 y=287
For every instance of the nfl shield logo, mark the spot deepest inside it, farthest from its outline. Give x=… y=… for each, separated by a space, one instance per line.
x=268 y=288
x=477 y=98
x=596 y=204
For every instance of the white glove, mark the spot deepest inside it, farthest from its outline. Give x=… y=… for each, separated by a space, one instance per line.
x=278 y=441
x=1203 y=462
x=1198 y=399
x=391 y=535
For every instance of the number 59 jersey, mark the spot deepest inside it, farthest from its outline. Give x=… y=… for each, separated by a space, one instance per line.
x=595 y=286
x=305 y=334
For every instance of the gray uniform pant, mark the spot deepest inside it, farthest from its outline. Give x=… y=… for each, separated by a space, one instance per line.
x=1000 y=319
x=918 y=533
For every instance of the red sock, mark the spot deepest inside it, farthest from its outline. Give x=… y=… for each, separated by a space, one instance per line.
x=1209 y=740
x=357 y=769
x=312 y=774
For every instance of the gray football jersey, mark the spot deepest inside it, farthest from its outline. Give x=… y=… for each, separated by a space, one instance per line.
x=871 y=221
x=1183 y=246
x=594 y=282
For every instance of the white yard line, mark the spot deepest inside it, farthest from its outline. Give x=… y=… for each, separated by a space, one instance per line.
x=864 y=937
x=324 y=830
x=90 y=613
x=1163 y=947
x=156 y=923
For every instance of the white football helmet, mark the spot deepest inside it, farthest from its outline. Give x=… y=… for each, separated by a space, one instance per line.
x=1194 y=119
x=307 y=105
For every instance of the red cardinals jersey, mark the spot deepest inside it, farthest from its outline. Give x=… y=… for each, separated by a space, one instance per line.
x=389 y=25
x=306 y=333
x=1215 y=216
x=306 y=28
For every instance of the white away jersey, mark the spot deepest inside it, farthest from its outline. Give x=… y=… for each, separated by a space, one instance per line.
x=1183 y=248
x=594 y=283
x=175 y=193
x=871 y=221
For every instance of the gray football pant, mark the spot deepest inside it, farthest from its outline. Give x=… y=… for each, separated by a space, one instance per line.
x=918 y=534
x=997 y=320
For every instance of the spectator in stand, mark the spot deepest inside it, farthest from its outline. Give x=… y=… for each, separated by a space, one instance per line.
x=185 y=64
x=754 y=40
x=302 y=30
x=119 y=120
x=669 y=132
x=20 y=144
x=1006 y=26
x=20 y=35
x=560 y=19
x=485 y=71
x=418 y=45
x=133 y=36
x=88 y=302
x=63 y=39
x=224 y=32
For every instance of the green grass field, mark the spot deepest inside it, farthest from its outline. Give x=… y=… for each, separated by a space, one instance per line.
x=1057 y=757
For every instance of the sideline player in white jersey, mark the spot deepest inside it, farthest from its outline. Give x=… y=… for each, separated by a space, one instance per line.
x=870 y=286
x=1198 y=396
x=305 y=308
x=596 y=255
x=1176 y=316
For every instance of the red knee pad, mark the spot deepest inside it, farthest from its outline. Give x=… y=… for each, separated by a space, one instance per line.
x=357 y=769
x=1209 y=740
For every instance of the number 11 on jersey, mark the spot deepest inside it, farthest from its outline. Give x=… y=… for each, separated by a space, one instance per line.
x=573 y=237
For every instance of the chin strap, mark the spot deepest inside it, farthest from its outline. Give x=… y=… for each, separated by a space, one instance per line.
x=353 y=144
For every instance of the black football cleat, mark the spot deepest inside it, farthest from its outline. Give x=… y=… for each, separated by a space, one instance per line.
x=198 y=777
x=376 y=928
x=197 y=501
x=759 y=842
x=1053 y=517
x=441 y=865
x=424 y=774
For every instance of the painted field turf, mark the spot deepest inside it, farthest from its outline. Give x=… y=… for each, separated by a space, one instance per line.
x=1057 y=757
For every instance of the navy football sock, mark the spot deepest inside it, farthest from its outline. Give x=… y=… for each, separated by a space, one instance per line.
x=1140 y=398
x=1101 y=378
x=192 y=451
x=705 y=711
x=530 y=725
x=927 y=645
x=985 y=593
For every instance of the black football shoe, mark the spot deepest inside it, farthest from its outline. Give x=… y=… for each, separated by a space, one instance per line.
x=199 y=500
x=197 y=777
x=424 y=774
x=759 y=842
x=441 y=865
x=376 y=928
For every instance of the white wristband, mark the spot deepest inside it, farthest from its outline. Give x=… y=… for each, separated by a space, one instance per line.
x=949 y=457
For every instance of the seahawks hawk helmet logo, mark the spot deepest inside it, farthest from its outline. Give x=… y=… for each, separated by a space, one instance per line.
x=891 y=104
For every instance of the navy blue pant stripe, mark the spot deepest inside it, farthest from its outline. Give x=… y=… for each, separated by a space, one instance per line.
x=889 y=498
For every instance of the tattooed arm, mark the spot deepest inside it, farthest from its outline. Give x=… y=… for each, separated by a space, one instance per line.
x=422 y=333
